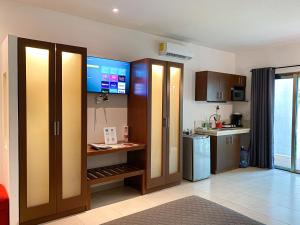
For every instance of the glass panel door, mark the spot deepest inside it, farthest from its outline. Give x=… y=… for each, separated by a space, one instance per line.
x=71 y=124
x=174 y=112
x=36 y=78
x=37 y=121
x=283 y=120
x=287 y=123
x=296 y=153
x=157 y=82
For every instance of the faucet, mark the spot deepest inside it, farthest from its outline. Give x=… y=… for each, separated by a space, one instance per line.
x=215 y=115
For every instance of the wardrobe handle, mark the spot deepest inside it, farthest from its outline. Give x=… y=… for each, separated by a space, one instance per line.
x=165 y=122
x=57 y=128
x=217 y=95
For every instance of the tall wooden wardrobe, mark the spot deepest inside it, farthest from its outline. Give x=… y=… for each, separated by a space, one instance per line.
x=155 y=118
x=52 y=130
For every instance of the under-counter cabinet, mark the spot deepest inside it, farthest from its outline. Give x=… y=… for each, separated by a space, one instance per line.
x=155 y=118
x=52 y=130
x=225 y=153
x=216 y=87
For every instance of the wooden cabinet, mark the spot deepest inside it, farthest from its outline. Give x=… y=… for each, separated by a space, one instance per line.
x=225 y=88
x=216 y=87
x=225 y=153
x=155 y=118
x=238 y=81
x=52 y=130
x=213 y=92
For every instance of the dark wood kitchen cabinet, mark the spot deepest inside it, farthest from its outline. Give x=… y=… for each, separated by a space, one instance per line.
x=212 y=87
x=225 y=153
x=216 y=87
x=238 y=81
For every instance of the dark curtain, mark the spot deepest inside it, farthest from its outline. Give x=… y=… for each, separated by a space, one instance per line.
x=262 y=117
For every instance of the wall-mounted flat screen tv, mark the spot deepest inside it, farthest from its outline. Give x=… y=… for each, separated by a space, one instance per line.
x=107 y=76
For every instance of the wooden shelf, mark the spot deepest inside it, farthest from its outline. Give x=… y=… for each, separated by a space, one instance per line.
x=109 y=173
x=118 y=148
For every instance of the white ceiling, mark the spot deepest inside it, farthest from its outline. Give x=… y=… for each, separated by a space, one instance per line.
x=223 y=24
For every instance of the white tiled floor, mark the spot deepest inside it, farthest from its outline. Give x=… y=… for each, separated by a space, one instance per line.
x=269 y=196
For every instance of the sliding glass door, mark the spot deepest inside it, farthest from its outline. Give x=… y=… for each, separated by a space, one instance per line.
x=283 y=121
x=287 y=122
x=296 y=152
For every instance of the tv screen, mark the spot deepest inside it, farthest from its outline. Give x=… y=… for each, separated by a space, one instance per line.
x=107 y=76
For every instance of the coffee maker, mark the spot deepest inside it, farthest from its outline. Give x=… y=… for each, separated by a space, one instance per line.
x=236 y=119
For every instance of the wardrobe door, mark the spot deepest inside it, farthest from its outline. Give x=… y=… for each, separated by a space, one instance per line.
x=36 y=80
x=157 y=124
x=174 y=114
x=71 y=127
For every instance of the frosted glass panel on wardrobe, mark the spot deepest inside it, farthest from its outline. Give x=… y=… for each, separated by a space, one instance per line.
x=37 y=119
x=174 y=119
x=71 y=124
x=156 y=120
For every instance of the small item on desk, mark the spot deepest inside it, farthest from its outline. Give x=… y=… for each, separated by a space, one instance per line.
x=125 y=134
x=100 y=146
x=110 y=135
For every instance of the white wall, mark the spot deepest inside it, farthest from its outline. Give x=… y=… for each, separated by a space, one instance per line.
x=4 y=156
x=117 y=43
x=268 y=56
x=110 y=42
x=9 y=158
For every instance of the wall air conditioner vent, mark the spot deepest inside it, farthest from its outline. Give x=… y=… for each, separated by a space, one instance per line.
x=174 y=50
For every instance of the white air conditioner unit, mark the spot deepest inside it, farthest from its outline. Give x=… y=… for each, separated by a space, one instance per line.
x=174 y=50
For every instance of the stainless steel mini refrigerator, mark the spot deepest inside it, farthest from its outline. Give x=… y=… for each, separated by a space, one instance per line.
x=196 y=157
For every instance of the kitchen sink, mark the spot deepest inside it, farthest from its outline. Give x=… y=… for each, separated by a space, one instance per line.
x=226 y=128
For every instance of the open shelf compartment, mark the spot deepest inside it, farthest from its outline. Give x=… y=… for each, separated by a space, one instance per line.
x=109 y=173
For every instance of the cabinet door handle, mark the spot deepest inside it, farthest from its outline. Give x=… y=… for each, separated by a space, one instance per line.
x=165 y=122
x=54 y=128
x=57 y=128
x=222 y=95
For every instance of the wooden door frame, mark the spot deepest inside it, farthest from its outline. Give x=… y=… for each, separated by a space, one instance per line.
x=79 y=201
x=27 y=214
x=176 y=177
x=159 y=181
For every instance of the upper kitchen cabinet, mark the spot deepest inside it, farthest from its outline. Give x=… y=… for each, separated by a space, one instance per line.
x=238 y=81
x=217 y=87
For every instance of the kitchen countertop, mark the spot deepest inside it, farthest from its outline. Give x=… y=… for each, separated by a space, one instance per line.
x=224 y=131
